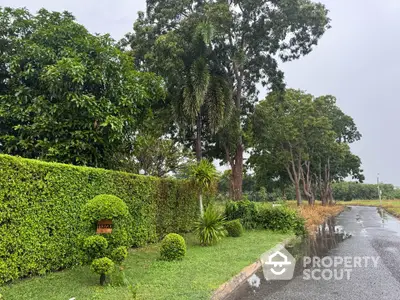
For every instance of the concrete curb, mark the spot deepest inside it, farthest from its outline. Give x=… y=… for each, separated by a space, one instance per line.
x=230 y=286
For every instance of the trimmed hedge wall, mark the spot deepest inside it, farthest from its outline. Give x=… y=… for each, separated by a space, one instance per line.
x=40 y=211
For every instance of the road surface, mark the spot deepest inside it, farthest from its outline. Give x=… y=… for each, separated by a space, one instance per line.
x=368 y=233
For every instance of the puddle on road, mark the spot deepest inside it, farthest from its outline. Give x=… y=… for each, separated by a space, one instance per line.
x=327 y=237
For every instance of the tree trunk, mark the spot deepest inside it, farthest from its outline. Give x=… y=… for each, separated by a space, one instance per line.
x=102 y=279
x=201 y=204
x=199 y=153
x=298 y=194
x=237 y=174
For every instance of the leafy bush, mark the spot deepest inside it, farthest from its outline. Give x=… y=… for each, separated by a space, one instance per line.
x=118 y=255
x=104 y=207
x=243 y=210
x=102 y=266
x=95 y=246
x=210 y=227
x=173 y=247
x=265 y=216
x=41 y=205
x=234 y=228
x=279 y=219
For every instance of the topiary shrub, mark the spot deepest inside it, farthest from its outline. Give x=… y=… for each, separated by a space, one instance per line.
x=102 y=266
x=210 y=227
x=234 y=228
x=95 y=246
x=118 y=255
x=173 y=247
x=104 y=207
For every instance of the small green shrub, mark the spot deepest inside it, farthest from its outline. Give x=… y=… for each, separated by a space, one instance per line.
x=234 y=228
x=210 y=227
x=104 y=207
x=102 y=266
x=95 y=246
x=118 y=255
x=244 y=210
x=173 y=247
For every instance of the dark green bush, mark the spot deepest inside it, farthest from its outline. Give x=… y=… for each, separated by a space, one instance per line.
x=244 y=210
x=41 y=205
x=234 y=228
x=104 y=207
x=210 y=227
x=265 y=216
x=95 y=246
x=118 y=255
x=173 y=247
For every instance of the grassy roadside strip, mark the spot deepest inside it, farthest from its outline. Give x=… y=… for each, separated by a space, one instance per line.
x=391 y=206
x=203 y=270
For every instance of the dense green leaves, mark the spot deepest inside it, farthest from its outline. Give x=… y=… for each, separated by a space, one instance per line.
x=41 y=205
x=67 y=95
x=173 y=247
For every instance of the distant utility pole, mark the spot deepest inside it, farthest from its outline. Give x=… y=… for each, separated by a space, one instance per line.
x=379 y=191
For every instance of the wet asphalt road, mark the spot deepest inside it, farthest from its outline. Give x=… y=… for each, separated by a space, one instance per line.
x=373 y=235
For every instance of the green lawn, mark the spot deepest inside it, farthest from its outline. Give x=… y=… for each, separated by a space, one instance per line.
x=203 y=270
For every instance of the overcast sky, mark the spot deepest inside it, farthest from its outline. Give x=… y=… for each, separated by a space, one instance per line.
x=357 y=60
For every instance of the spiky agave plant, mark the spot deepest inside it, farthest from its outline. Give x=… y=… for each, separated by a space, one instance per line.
x=210 y=227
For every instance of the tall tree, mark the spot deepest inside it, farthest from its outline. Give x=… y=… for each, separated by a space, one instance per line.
x=67 y=95
x=295 y=132
x=250 y=35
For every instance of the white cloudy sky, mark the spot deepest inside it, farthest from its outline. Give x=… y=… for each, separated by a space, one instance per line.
x=358 y=61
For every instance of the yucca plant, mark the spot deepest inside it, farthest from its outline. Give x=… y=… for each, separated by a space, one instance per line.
x=210 y=227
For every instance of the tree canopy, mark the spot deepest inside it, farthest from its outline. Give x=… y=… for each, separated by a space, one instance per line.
x=297 y=132
x=67 y=95
x=241 y=41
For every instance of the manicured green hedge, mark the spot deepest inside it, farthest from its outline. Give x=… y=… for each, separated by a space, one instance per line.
x=40 y=212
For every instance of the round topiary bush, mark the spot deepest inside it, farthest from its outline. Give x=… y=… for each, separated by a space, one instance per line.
x=234 y=228
x=173 y=247
x=119 y=254
x=95 y=246
x=104 y=207
x=102 y=266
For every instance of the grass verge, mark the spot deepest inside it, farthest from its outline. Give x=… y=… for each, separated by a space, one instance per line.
x=391 y=206
x=203 y=270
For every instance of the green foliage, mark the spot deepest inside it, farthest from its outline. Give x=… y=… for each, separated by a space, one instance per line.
x=104 y=207
x=102 y=266
x=67 y=95
x=347 y=191
x=204 y=174
x=234 y=228
x=264 y=216
x=210 y=227
x=41 y=206
x=173 y=247
x=95 y=246
x=280 y=219
x=244 y=210
x=118 y=255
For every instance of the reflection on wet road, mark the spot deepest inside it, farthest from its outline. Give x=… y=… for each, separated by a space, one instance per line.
x=357 y=232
